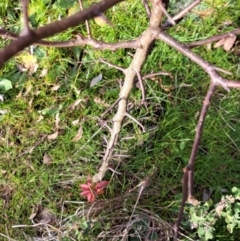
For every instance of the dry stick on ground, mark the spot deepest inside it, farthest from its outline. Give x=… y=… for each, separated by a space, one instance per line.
x=79 y=41
x=146 y=39
x=86 y=22
x=26 y=29
x=53 y=28
x=216 y=80
x=190 y=167
x=213 y=38
x=181 y=14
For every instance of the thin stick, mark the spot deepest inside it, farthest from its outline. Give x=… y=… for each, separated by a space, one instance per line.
x=112 y=65
x=80 y=40
x=53 y=28
x=86 y=22
x=26 y=29
x=207 y=67
x=141 y=87
x=170 y=19
x=135 y=120
x=213 y=38
x=147 y=8
x=111 y=107
x=181 y=14
x=141 y=186
x=187 y=186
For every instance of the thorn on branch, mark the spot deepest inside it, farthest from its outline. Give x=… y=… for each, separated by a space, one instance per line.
x=113 y=65
x=135 y=120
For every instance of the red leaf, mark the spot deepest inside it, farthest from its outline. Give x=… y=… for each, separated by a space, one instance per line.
x=90 y=197
x=101 y=184
x=85 y=193
x=84 y=186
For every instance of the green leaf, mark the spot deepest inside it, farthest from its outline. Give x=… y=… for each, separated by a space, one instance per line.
x=5 y=84
x=50 y=111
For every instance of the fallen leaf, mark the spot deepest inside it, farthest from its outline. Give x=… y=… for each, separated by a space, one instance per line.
x=57 y=121
x=3 y=171
x=79 y=135
x=98 y=100
x=55 y=87
x=1 y=98
x=229 y=42
x=3 y=112
x=75 y=104
x=219 y=43
x=40 y=119
x=52 y=136
x=204 y=13
x=44 y=73
x=75 y=122
x=96 y=80
x=47 y=159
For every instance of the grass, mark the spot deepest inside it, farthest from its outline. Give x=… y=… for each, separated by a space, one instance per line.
x=40 y=98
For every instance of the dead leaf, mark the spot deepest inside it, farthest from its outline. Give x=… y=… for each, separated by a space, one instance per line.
x=75 y=122
x=79 y=135
x=229 y=42
x=57 y=121
x=47 y=159
x=40 y=118
x=204 y=13
x=75 y=104
x=44 y=73
x=219 y=43
x=193 y=201
x=53 y=136
x=3 y=171
x=98 y=100
x=3 y=112
x=55 y=87
x=96 y=80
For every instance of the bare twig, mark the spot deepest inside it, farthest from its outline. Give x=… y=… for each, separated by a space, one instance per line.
x=181 y=14
x=53 y=28
x=147 y=38
x=113 y=65
x=216 y=80
x=147 y=8
x=207 y=67
x=149 y=76
x=86 y=22
x=79 y=41
x=141 y=187
x=170 y=19
x=132 y=118
x=26 y=29
x=213 y=39
x=188 y=171
x=141 y=87
x=110 y=108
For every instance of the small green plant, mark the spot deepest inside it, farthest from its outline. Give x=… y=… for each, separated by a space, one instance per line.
x=222 y=219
